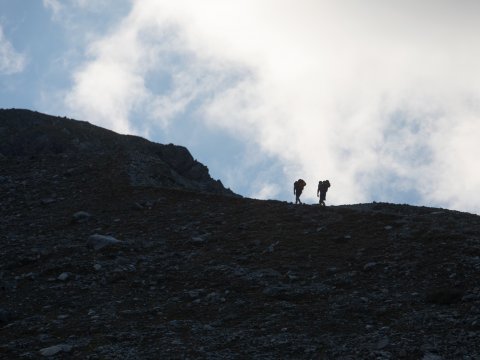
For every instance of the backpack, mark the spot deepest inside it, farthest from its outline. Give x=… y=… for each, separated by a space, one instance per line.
x=323 y=185
x=299 y=184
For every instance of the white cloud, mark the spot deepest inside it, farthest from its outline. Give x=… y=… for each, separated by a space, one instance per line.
x=54 y=5
x=11 y=62
x=357 y=92
x=266 y=191
x=114 y=83
x=105 y=93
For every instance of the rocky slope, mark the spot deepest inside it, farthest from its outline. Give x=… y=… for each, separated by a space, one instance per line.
x=94 y=267
x=138 y=161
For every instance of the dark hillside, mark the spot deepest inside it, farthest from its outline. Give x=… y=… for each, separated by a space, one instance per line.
x=95 y=267
x=28 y=134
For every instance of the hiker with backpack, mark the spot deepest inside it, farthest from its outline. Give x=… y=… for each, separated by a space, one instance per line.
x=297 y=190
x=322 y=191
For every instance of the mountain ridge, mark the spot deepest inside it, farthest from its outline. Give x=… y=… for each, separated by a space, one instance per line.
x=29 y=133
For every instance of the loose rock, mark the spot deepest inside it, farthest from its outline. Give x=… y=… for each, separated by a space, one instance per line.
x=99 y=242
x=81 y=217
x=53 y=350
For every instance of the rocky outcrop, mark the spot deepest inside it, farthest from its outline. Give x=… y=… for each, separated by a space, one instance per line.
x=25 y=133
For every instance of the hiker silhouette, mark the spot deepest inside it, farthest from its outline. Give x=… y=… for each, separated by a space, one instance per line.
x=297 y=189
x=322 y=191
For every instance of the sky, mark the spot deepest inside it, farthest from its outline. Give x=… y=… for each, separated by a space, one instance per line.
x=380 y=97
